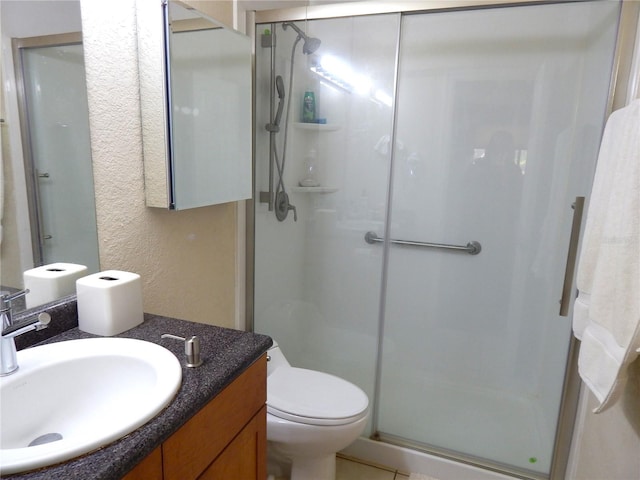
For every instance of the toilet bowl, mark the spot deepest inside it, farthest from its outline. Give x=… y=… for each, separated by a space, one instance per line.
x=310 y=416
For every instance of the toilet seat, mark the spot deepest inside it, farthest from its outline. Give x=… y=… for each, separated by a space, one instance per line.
x=314 y=398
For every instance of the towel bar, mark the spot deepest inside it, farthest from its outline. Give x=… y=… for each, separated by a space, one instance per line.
x=472 y=248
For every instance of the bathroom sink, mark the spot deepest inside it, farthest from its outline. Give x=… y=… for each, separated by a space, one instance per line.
x=72 y=397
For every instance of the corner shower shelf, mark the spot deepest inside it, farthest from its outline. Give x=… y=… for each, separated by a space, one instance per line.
x=299 y=189
x=317 y=127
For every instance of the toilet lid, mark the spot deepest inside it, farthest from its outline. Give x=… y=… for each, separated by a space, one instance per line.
x=315 y=398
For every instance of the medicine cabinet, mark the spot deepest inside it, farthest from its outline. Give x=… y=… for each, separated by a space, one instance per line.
x=195 y=93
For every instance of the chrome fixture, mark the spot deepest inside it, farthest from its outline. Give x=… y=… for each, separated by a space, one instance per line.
x=10 y=330
x=310 y=44
x=275 y=125
x=191 y=349
x=278 y=200
x=472 y=248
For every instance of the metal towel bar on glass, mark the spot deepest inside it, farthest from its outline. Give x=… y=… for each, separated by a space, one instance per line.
x=472 y=248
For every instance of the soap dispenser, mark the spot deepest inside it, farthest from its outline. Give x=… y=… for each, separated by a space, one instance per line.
x=310 y=175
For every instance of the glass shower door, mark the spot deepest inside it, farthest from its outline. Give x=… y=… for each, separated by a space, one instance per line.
x=499 y=117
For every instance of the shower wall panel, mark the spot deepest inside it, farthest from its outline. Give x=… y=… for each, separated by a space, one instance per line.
x=317 y=283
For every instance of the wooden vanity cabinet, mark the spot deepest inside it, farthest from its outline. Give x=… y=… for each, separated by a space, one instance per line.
x=227 y=438
x=148 y=469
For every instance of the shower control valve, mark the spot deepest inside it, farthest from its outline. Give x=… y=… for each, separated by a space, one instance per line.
x=282 y=207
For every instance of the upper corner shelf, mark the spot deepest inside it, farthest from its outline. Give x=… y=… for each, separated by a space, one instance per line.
x=317 y=127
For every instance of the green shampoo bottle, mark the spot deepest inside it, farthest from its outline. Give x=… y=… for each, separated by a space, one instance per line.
x=309 y=107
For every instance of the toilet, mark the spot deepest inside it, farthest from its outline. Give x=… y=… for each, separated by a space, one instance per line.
x=310 y=416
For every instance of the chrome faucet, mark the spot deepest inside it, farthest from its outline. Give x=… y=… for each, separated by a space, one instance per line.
x=10 y=330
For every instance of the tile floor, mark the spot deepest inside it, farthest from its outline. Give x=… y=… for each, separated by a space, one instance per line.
x=353 y=469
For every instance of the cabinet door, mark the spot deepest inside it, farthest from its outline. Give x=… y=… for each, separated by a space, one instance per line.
x=196 y=125
x=149 y=469
x=246 y=456
x=189 y=451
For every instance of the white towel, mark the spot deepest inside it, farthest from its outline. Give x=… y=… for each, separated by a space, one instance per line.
x=606 y=314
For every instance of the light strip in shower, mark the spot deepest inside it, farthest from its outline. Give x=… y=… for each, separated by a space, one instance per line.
x=339 y=74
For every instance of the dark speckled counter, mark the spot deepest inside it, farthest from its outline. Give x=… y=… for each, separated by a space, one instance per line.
x=226 y=354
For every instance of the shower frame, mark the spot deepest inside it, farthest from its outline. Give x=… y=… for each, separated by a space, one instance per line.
x=620 y=90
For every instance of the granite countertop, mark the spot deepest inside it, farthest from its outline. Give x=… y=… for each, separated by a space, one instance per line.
x=226 y=353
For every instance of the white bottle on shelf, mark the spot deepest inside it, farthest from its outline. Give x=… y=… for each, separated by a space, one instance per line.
x=310 y=175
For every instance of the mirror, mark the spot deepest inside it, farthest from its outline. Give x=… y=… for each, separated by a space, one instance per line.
x=197 y=123
x=48 y=205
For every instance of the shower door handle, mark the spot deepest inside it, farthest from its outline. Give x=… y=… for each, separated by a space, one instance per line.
x=572 y=256
x=39 y=213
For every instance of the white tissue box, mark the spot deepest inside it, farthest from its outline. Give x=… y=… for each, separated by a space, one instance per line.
x=109 y=302
x=50 y=282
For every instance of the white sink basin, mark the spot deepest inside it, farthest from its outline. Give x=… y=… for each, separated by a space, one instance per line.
x=70 y=398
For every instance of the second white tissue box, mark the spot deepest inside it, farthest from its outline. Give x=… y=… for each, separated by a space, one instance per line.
x=50 y=282
x=109 y=302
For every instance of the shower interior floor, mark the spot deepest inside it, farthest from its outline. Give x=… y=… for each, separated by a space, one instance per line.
x=488 y=424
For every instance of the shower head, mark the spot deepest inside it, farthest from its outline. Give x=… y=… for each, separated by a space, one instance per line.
x=310 y=45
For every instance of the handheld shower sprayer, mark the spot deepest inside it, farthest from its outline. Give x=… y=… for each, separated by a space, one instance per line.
x=310 y=45
x=275 y=125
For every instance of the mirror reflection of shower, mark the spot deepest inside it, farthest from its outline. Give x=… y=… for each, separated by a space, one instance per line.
x=281 y=203
x=58 y=176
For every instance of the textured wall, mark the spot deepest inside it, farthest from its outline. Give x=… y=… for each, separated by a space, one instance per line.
x=186 y=259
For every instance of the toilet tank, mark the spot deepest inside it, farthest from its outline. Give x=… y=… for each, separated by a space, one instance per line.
x=275 y=359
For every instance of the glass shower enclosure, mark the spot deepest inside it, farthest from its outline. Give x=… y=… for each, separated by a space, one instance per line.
x=428 y=264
